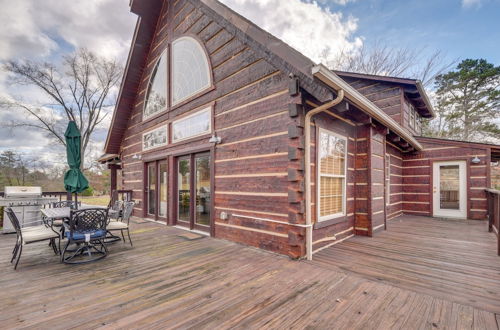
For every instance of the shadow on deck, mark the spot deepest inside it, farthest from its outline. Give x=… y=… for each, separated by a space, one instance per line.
x=453 y=260
x=175 y=279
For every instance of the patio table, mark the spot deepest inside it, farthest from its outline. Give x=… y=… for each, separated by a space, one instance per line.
x=65 y=212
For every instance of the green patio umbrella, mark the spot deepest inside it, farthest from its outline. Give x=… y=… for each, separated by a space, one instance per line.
x=74 y=180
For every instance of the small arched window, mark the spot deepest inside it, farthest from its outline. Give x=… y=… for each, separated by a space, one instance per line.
x=156 y=95
x=190 y=69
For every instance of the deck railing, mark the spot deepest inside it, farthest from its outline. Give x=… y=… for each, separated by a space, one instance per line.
x=124 y=195
x=494 y=214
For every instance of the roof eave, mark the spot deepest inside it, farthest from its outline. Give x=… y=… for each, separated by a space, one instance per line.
x=124 y=77
x=428 y=104
x=334 y=81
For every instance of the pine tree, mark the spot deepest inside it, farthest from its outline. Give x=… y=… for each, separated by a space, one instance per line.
x=468 y=98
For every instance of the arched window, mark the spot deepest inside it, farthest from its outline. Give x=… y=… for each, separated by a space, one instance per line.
x=190 y=69
x=156 y=95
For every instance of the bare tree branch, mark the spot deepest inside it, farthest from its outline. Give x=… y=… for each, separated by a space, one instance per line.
x=78 y=89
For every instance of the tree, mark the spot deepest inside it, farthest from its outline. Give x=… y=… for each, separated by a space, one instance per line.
x=379 y=58
x=17 y=169
x=79 y=89
x=468 y=102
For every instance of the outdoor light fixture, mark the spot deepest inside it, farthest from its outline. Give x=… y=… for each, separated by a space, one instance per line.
x=136 y=156
x=475 y=160
x=215 y=139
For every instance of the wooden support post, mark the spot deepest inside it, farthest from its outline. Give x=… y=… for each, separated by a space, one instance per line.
x=113 y=178
x=490 y=211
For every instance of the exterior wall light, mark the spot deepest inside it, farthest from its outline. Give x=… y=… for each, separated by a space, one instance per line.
x=136 y=156
x=215 y=139
x=475 y=160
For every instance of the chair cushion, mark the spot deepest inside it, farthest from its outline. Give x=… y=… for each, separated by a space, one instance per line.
x=38 y=233
x=57 y=223
x=116 y=225
x=100 y=233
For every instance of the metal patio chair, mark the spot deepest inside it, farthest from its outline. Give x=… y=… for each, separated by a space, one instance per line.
x=87 y=229
x=30 y=235
x=123 y=223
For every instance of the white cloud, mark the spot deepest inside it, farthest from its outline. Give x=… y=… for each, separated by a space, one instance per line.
x=315 y=31
x=471 y=3
x=46 y=30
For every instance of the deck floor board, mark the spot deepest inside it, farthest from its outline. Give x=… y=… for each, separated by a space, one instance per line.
x=173 y=280
x=448 y=259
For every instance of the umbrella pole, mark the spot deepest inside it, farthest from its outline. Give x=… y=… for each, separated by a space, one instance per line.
x=76 y=201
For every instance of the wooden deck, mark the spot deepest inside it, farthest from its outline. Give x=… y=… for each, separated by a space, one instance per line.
x=175 y=279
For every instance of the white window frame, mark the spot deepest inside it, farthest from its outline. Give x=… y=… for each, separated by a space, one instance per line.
x=209 y=75
x=207 y=109
x=144 y=117
x=318 y=178
x=165 y=127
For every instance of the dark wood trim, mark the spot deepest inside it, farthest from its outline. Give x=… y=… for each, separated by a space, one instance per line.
x=167 y=152
x=212 y=191
x=369 y=208
x=192 y=192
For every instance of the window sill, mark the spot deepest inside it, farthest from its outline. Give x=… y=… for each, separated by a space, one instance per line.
x=153 y=117
x=330 y=222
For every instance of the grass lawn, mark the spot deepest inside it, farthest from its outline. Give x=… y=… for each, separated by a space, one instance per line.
x=94 y=200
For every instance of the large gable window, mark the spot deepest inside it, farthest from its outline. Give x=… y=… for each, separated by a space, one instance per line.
x=190 y=69
x=332 y=153
x=156 y=95
x=197 y=124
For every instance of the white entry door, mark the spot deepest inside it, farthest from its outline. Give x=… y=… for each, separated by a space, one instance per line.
x=450 y=189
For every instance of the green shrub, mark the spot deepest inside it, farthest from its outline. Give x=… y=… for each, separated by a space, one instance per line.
x=88 y=192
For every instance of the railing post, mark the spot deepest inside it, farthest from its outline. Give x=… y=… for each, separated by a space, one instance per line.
x=491 y=212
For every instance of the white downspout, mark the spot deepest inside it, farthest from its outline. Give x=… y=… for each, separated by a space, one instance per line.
x=307 y=132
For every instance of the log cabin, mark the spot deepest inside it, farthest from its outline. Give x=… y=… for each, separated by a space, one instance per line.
x=222 y=128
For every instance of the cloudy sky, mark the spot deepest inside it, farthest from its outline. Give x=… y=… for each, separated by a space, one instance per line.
x=46 y=30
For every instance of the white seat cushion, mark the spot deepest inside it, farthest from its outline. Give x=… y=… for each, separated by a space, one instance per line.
x=57 y=223
x=116 y=225
x=38 y=233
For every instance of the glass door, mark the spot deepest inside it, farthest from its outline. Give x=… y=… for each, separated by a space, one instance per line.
x=163 y=189
x=203 y=201
x=450 y=189
x=157 y=190
x=184 y=191
x=194 y=202
x=151 y=189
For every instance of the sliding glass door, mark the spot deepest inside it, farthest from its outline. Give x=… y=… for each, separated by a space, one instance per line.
x=194 y=203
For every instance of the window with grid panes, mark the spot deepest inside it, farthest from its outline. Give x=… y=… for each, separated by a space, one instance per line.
x=332 y=158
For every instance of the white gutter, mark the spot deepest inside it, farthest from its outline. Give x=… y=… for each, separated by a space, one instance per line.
x=307 y=133
x=331 y=79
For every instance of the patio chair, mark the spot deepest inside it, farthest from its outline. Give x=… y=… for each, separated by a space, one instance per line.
x=117 y=209
x=71 y=204
x=122 y=224
x=30 y=235
x=87 y=229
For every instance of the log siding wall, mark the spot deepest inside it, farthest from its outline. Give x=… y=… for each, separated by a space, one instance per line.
x=418 y=172
x=258 y=169
x=250 y=101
